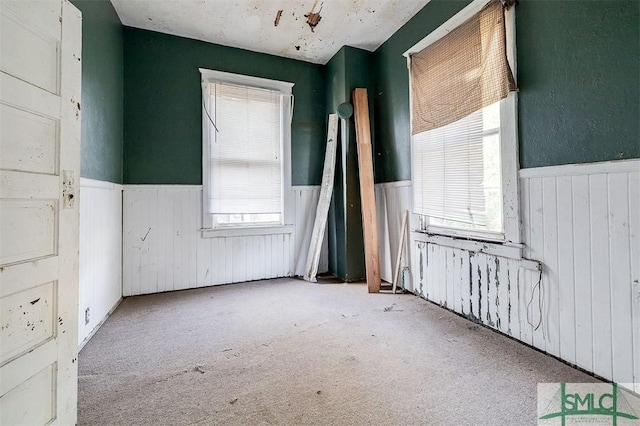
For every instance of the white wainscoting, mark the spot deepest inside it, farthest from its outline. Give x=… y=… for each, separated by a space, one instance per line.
x=100 y=253
x=392 y=199
x=306 y=202
x=582 y=222
x=164 y=249
x=480 y=286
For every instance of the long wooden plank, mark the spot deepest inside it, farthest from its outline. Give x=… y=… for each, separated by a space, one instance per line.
x=367 y=195
x=320 y=223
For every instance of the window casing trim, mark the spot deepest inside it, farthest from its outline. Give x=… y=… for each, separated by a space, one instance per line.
x=286 y=88
x=508 y=136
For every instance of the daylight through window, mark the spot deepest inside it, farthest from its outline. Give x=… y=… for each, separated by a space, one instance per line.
x=464 y=148
x=245 y=133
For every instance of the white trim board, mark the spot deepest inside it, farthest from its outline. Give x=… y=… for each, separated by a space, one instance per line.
x=444 y=29
x=508 y=250
x=99 y=184
x=212 y=76
x=322 y=209
x=246 y=231
x=100 y=324
x=616 y=166
x=394 y=184
x=155 y=187
x=305 y=187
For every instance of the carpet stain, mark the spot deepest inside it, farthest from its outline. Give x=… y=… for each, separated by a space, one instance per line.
x=391 y=308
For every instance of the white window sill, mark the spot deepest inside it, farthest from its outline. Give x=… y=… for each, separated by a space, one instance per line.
x=248 y=231
x=495 y=248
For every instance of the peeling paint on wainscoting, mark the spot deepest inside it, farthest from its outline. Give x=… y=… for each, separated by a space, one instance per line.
x=581 y=223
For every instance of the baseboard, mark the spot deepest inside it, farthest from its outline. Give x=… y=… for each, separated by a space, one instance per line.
x=97 y=327
x=306 y=187
x=394 y=184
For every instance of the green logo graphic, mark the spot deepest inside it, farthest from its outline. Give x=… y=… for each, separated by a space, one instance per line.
x=613 y=405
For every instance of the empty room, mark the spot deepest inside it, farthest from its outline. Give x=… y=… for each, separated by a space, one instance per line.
x=332 y=212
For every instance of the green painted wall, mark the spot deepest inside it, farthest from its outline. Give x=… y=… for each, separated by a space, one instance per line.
x=579 y=83
x=578 y=75
x=102 y=91
x=347 y=70
x=393 y=143
x=162 y=107
x=336 y=227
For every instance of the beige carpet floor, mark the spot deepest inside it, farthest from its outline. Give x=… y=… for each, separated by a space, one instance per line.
x=290 y=352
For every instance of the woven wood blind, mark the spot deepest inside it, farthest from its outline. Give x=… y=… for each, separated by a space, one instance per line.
x=462 y=72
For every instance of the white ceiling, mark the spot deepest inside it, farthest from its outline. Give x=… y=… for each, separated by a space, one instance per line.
x=249 y=24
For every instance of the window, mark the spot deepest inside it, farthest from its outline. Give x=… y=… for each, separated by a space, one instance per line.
x=464 y=147
x=457 y=177
x=246 y=146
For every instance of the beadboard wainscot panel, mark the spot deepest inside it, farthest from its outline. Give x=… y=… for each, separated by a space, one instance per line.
x=100 y=288
x=164 y=249
x=582 y=222
x=480 y=286
x=306 y=202
x=392 y=199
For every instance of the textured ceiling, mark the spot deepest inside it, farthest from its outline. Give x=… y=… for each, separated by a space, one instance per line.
x=250 y=24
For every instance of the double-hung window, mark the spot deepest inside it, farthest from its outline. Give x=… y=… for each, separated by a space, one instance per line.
x=246 y=143
x=463 y=119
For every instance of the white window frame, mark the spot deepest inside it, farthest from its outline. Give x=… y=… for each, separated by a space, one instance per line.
x=510 y=238
x=286 y=88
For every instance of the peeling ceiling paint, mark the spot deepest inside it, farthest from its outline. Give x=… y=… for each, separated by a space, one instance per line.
x=309 y=30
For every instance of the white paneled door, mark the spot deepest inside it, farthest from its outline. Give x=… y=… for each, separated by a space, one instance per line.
x=40 y=72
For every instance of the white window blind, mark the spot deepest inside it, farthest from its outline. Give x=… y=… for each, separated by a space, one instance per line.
x=463 y=123
x=456 y=171
x=246 y=168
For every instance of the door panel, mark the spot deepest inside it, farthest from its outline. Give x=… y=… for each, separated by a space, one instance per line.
x=37 y=136
x=27 y=52
x=28 y=230
x=38 y=388
x=40 y=69
x=27 y=319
